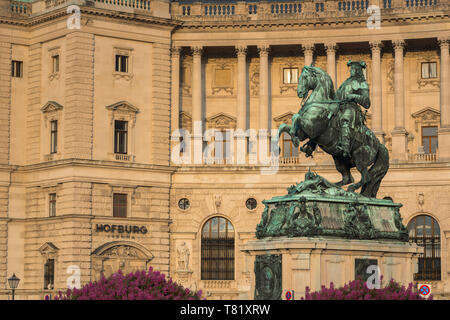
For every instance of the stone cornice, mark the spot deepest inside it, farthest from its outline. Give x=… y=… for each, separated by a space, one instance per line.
x=327 y=21
x=57 y=13
x=93 y=163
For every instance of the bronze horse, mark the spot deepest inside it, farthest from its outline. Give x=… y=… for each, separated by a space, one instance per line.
x=318 y=120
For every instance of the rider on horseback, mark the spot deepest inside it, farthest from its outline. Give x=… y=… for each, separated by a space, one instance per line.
x=353 y=92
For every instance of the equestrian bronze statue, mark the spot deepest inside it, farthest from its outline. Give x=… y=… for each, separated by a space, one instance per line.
x=336 y=123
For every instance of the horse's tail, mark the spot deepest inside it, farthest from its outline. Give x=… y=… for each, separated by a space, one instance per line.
x=377 y=171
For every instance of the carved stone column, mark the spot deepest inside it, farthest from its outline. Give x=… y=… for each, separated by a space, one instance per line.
x=308 y=50
x=444 y=130
x=241 y=52
x=175 y=99
x=331 y=61
x=399 y=143
x=197 y=103
x=376 y=105
x=263 y=86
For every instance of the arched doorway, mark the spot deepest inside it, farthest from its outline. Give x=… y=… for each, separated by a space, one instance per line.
x=424 y=230
x=217 y=257
x=124 y=255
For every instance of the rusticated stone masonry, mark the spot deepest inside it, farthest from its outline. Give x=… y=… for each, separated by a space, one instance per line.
x=160 y=104
x=78 y=111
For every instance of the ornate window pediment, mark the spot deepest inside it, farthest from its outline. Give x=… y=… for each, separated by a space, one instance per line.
x=284 y=118
x=426 y=117
x=221 y=121
x=185 y=120
x=51 y=106
x=122 y=111
x=123 y=108
x=51 y=112
x=48 y=250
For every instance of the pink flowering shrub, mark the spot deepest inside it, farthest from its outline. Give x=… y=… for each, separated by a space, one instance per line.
x=358 y=290
x=140 y=285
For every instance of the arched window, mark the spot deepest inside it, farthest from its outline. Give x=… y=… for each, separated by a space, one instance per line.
x=218 y=250
x=425 y=231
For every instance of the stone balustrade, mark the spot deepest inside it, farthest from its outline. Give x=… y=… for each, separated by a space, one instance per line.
x=20 y=8
x=242 y=11
x=423 y=157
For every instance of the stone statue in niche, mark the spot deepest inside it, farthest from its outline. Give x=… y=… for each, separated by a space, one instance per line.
x=183 y=254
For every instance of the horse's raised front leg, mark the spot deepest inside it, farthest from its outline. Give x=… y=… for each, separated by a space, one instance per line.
x=308 y=148
x=344 y=170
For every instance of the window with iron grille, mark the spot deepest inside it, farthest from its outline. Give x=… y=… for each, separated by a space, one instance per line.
x=119 y=205
x=49 y=274
x=54 y=136
x=217 y=261
x=52 y=204
x=16 y=69
x=425 y=232
x=120 y=136
x=121 y=63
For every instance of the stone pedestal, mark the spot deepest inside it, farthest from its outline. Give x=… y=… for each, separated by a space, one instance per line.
x=295 y=263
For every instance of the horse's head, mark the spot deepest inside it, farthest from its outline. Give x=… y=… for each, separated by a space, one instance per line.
x=293 y=130
x=314 y=78
x=306 y=81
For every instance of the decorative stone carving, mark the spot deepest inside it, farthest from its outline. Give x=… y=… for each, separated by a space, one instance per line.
x=254 y=79
x=221 y=121
x=284 y=118
x=124 y=255
x=268 y=277
x=128 y=75
x=241 y=51
x=217 y=202
x=48 y=250
x=122 y=110
x=318 y=207
x=426 y=117
x=183 y=254
x=51 y=111
x=420 y=201
x=186 y=121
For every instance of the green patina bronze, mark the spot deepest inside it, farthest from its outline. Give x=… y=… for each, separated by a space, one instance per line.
x=268 y=280
x=317 y=207
x=335 y=123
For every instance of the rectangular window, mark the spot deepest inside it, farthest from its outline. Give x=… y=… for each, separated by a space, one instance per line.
x=55 y=64
x=120 y=136
x=290 y=75
x=121 y=63
x=429 y=70
x=49 y=274
x=222 y=145
x=54 y=136
x=430 y=139
x=119 y=205
x=289 y=150
x=16 y=69
x=52 y=204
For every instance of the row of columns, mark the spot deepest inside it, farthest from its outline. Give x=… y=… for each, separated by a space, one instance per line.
x=399 y=138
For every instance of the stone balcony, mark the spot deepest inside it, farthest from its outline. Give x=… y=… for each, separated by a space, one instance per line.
x=156 y=8
x=307 y=11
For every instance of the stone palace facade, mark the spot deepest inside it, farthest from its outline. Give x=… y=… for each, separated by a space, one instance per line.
x=92 y=90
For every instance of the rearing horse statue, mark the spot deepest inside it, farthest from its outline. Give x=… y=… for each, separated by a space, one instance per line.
x=318 y=120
